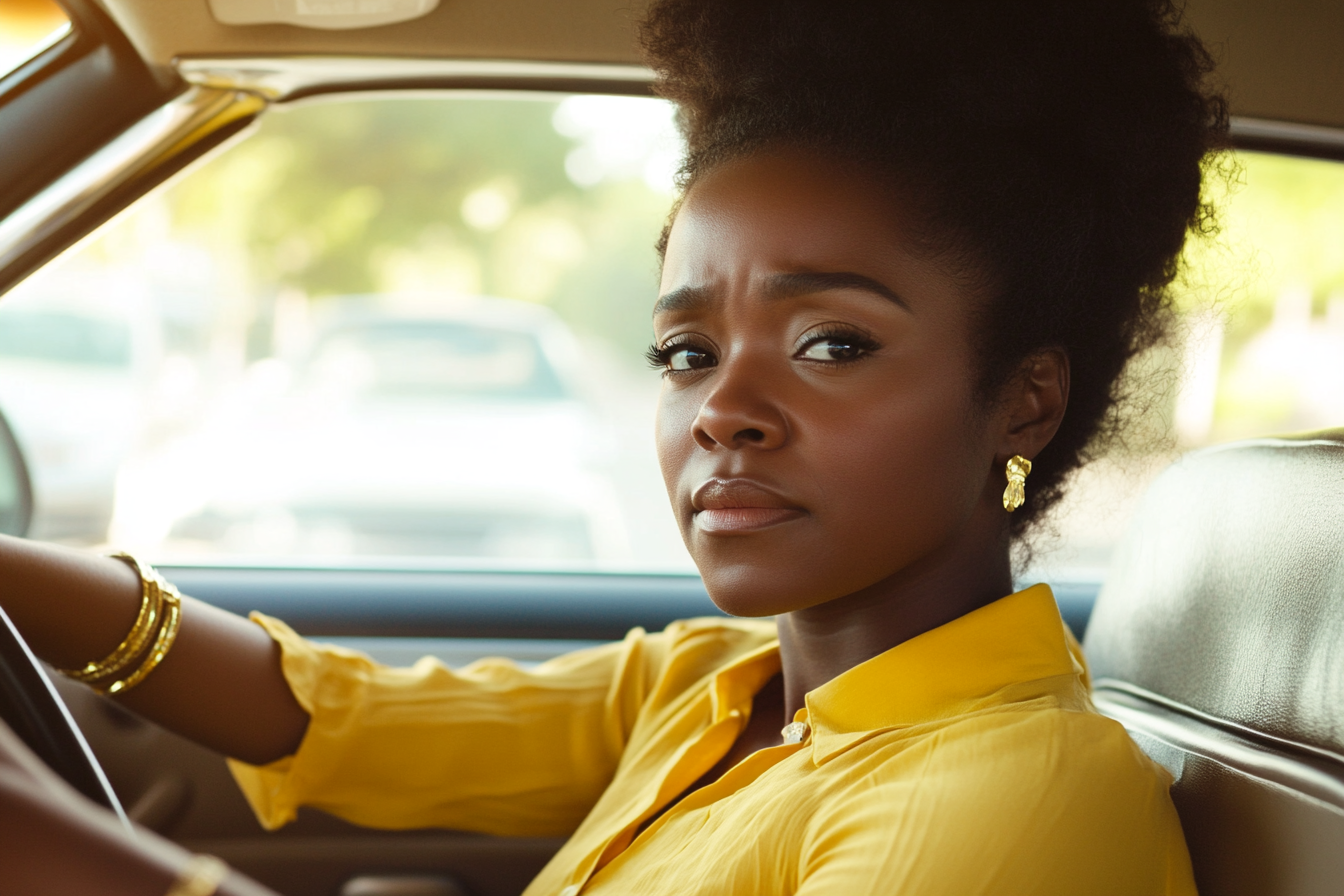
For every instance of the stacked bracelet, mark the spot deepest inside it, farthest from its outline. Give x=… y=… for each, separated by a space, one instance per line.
x=155 y=625
x=146 y=622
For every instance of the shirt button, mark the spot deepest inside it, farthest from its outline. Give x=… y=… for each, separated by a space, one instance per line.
x=794 y=732
x=571 y=890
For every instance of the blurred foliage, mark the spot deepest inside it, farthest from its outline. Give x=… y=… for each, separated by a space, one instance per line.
x=1281 y=226
x=1273 y=277
x=431 y=195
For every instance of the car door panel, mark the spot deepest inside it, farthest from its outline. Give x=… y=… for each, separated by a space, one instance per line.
x=184 y=791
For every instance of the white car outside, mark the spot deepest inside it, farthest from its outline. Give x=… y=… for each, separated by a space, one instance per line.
x=453 y=433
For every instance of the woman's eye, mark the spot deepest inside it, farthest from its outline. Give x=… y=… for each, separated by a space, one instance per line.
x=678 y=357
x=836 y=348
x=687 y=357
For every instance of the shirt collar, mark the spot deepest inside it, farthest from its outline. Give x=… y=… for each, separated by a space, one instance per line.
x=736 y=684
x=1013 y=649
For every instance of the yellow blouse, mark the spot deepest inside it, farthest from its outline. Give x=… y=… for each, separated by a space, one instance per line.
x=966 y=760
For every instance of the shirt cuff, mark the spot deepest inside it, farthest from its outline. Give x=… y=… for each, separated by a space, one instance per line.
x=328 y=682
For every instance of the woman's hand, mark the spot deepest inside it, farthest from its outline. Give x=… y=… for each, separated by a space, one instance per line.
x=54 y=841
x=219 y=685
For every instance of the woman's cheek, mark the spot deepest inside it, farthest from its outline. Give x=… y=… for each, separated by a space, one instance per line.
x=903 y=479
x=677 y=410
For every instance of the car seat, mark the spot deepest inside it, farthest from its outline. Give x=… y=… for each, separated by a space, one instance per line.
x=1218 y=641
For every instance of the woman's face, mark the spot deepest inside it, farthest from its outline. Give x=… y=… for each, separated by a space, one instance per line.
x=818 y=429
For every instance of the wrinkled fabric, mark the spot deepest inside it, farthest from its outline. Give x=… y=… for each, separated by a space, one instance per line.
x=966 y=760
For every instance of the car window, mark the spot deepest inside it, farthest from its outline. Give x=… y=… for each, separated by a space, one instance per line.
x=377 y=326
x=27 y=27
x=1259 y=347
x=412 y=326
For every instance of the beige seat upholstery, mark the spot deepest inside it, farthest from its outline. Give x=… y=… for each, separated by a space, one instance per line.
x=1218 y=640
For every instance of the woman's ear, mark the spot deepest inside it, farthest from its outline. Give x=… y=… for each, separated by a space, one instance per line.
x=1034 y=403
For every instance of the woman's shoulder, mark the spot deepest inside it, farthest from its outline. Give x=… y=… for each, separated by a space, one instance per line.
x=1049 y=800
x=1041 y=755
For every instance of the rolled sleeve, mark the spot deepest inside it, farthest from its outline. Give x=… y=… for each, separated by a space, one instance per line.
x=491 y=747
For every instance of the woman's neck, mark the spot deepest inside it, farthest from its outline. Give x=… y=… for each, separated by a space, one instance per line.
x=818 y=643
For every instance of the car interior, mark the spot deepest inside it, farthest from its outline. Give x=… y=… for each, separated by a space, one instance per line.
x=1215 y=633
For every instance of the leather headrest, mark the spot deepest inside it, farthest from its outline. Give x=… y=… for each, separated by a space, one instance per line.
x=1227 y=593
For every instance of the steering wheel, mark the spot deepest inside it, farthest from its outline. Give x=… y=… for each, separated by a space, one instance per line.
x=28 y=702
x=37 y=714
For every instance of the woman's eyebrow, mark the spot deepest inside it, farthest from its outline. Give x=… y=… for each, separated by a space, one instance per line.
x=685 y=298
x=780 y=286
x=787 y=286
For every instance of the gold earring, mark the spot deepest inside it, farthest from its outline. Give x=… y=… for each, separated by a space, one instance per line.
x=1015 y=493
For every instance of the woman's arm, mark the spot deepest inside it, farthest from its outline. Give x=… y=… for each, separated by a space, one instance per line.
x=52 y=840
x=220 y=684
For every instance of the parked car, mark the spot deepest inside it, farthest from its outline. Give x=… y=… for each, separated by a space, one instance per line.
x=394 y=434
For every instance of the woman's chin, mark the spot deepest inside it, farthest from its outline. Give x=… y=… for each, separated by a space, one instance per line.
x=754 y=592
x=783 y=568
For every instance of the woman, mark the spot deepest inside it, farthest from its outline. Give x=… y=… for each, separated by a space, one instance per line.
x=917 y=245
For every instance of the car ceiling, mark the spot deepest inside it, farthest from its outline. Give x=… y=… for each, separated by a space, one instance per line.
x=558 y=30
x=1280 y=58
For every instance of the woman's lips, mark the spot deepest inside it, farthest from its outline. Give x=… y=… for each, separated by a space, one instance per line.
x=740 y=505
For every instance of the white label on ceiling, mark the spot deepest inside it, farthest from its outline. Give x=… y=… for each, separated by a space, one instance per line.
x=330 y=14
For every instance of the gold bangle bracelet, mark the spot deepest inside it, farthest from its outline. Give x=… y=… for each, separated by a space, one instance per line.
x=201 y=876
x=172 y=618
x=146 y=623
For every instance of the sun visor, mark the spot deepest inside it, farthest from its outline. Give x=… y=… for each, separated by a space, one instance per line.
x=328 y=14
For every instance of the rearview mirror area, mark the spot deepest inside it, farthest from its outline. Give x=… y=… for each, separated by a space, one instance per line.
x=16 y=486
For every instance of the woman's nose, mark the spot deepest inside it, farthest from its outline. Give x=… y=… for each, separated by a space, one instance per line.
x=740 y=411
